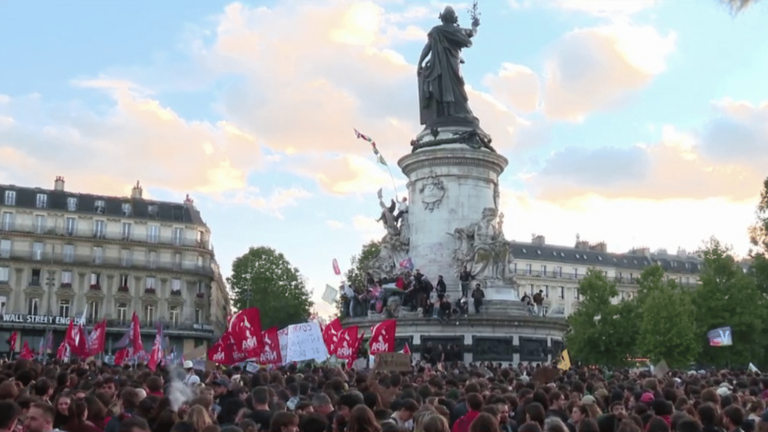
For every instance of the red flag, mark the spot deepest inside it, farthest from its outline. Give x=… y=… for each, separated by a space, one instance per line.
x=406 y=349
x=77 y=339
x=336 y=269
x=351 y=361
x=26 y=352
x=122 y=356
x=97 y=338
x=63 y=352
x=218 y=353
x=383 y=337
x=270 y=353
x=245 y=332
x=138 y=346
x=156 y=355
x=348 y=343
x=331 y=335
x=12 y=341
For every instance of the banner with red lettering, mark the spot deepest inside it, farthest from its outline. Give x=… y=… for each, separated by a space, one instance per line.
x=383 y=337
x=348 y=343
x=270 y=353
x=331 y=335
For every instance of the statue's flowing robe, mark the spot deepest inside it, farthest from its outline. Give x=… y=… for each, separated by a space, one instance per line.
x=441 y=86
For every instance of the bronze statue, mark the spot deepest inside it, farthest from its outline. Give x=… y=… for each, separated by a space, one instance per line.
x=442 y=98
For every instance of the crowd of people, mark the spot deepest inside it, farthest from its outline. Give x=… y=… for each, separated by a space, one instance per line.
x=451 y=397
x=417 y=294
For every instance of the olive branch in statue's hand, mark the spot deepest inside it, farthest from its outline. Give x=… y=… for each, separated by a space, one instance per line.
x=474 y=13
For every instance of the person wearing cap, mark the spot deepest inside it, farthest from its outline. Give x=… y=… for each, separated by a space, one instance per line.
x=191 y=379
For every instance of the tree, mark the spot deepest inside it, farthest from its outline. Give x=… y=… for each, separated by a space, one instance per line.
x=355 y=275
x=668 y=329
x=739 y=5
x=758 y=236
x=728 y=296
x=601 y=332
x=264 y=278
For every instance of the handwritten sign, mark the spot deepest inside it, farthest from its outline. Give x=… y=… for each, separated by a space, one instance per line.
x=252 y=367
x=282 y=335
x=393 y=362
x=546 y=374
x=304 y=342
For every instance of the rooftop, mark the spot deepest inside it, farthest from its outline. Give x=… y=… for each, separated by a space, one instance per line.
x=587 y=254
x=134 y=206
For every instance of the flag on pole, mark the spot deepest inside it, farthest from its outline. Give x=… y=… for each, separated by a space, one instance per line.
x=565 y=361
x=376 y=152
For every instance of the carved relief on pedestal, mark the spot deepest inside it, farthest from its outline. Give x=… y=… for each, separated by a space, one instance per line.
x=432 y=192
x=492 y=349
x=482 y=248
x=533 y=349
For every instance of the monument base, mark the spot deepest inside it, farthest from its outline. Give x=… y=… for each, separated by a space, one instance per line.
x=482 y=337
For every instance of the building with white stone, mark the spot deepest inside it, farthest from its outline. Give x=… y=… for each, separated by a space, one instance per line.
x=65 y=253
x=556 y=270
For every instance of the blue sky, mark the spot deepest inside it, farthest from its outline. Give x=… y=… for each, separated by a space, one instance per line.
x=635 y=122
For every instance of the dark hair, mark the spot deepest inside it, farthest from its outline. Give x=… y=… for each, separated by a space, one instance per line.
x=688 y=425
x=707 y=414
x=42 y=387
x=349 y=400
x=587 y=425
x=530 y=427
x=260 y=395
x=281 y=419
x=536 y=413
x=313 y=423
x=734 y=414
x=474 y=401
x=484 y=423
x=657 y=424
x=409 y=405
x=362 y=420
x=9 y=412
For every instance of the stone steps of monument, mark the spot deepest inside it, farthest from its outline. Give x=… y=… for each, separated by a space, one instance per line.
x=503 y=307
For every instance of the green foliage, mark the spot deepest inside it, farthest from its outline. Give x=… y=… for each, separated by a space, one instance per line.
x=355 y=275
x=276 y=287
x=600 y=332
x=668 y=328
x=729 y=297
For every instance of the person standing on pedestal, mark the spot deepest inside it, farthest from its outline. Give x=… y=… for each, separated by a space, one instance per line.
x=465 y=278
x=478 y=295
x=402 y=209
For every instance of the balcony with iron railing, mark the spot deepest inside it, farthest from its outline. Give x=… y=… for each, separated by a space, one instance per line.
x=91 y=261
x=576 y=277
x=107 y=234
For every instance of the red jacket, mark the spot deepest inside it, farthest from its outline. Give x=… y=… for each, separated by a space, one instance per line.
x=462 y=424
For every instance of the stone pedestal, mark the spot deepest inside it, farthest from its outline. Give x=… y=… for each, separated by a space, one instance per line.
x=449 y=186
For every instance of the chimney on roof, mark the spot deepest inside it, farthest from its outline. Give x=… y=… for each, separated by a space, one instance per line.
x=189 y=202
x=137 y=191
x=599 y=247
x=58 y=184
x=538 y=240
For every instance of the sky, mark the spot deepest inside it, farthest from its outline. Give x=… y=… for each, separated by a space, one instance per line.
x=640 y=123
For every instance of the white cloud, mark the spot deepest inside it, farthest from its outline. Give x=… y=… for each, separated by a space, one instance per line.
x=596 y=68
x=608 y=8
x=334 y=224
x=628 y=223
x=368 y=228
x=516 y=86
x=272 y=204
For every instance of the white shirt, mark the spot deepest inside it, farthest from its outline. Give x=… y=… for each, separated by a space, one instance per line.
x=403 y=206
x=191 y=379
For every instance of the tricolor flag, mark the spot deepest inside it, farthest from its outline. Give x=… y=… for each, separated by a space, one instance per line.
x=379 y=157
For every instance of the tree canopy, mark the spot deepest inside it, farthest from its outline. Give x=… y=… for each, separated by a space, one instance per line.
x=355 y=275
x=264 y=278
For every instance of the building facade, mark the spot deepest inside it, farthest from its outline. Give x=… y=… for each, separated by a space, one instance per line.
x=557 y=270
x=63 y=254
